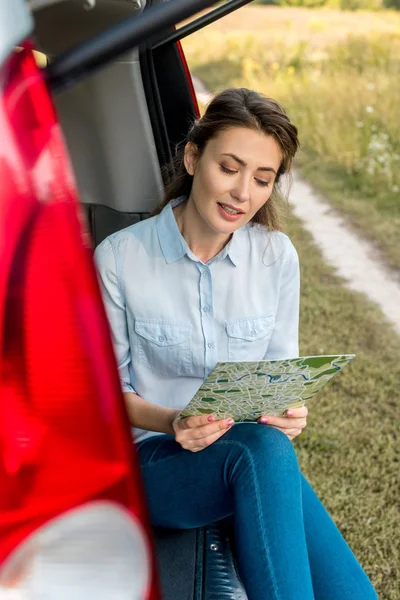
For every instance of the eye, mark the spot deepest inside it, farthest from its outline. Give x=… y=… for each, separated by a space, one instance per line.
x=262 y=183
x=226 y=170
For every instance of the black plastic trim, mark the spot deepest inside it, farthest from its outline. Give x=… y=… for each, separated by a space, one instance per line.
x=155 y=109
x=221 y=580
x=178 y=108
x=201 y=22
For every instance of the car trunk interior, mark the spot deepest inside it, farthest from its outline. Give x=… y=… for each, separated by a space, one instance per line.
x=104 y=118
x=122 y=124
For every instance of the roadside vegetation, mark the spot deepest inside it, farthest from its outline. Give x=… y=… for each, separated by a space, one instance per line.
x=342 y=91
x=337 y=75
x=350 y=450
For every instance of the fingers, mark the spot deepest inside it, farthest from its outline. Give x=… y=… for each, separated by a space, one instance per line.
x=204 y=431
x=295 y=418
x=197 y=421
x=208 y=441
x=199 y=433
x=284 y=422
x=291 y=433
x=292 y=425
x=300 y=411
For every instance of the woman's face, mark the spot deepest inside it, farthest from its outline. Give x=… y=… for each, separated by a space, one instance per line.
x=233 y=177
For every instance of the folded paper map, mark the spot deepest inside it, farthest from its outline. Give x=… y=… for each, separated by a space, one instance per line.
x=247 y=390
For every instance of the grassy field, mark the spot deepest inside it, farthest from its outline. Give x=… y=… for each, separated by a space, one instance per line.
x=350 y=450
x=337 y=75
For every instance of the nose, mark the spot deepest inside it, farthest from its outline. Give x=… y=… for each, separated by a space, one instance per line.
x=241 y=191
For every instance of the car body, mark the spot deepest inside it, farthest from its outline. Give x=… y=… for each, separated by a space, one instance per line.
x=115 y=97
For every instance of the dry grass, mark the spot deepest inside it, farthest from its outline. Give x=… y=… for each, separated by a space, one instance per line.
x=321 y=27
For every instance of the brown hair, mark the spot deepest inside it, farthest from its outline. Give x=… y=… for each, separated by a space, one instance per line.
x=237 y=107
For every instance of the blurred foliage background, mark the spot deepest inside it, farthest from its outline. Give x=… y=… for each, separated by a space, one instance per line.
x=337 y=74
x=342 y=4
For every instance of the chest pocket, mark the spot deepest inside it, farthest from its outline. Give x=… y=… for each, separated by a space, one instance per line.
x=248 y=338
x=164 y=347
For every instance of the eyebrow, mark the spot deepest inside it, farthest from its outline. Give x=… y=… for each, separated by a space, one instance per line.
x=244 y=164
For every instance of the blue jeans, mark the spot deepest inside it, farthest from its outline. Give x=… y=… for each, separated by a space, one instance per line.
x=287 y=546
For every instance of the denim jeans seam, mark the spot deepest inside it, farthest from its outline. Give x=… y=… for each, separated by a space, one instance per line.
x=155 y=462
x=244 y=447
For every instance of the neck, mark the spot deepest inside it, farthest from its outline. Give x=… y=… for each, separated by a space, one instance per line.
x=201 y=239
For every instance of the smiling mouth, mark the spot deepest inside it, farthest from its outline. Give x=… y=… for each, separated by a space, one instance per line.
x=231 y=211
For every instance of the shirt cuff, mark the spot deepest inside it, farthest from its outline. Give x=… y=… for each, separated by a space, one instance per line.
x=126 y=387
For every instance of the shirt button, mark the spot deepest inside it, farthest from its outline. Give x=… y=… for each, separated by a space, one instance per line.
x=161 y=338
x=253 y=332
x=210 y=345
x=206 y=309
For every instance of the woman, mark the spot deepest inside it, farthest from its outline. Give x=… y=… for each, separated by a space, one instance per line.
x=211 y=278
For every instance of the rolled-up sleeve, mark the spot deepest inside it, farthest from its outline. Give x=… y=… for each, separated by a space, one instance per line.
x=114 y=301
x=284 y=342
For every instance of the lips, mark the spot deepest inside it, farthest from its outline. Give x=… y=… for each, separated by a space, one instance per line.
x=227 y=215
x=229 y=206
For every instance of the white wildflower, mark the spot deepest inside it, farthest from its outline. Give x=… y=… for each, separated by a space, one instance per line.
x=395 y=188
x=369 y=109
x=360 y=124
x=370 y=86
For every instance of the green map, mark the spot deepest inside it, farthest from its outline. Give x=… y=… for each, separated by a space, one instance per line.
x=247 y=390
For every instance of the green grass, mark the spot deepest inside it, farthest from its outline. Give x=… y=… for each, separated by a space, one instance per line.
x=337 y=76
x=350 y=449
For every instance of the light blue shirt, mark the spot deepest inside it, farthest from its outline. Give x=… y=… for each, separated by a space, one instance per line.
x=174 y=317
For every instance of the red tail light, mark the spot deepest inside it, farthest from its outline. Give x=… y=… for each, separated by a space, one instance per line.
x=72 y=516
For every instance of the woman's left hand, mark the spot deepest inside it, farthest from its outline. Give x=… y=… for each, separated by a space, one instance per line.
x=292 y=424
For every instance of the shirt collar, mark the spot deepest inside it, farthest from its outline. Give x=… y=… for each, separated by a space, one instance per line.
x=174 y=246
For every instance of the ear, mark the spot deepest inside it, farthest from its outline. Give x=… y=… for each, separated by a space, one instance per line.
x=191 y=157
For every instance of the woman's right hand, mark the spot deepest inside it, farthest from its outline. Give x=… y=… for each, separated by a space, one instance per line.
x=196 y=433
